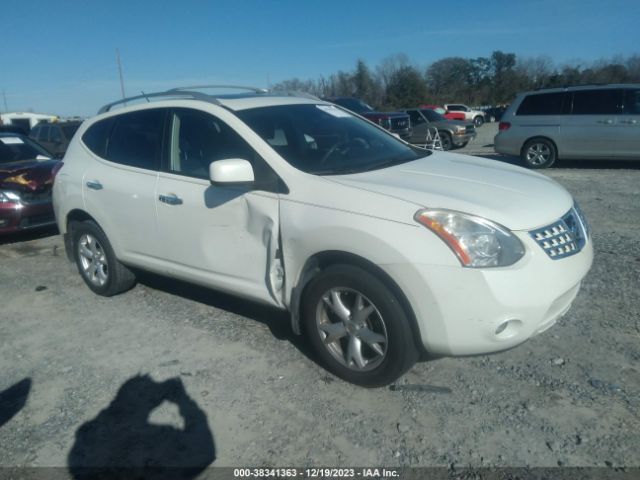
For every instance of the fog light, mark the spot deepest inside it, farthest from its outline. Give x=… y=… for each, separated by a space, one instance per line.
x=508 y=329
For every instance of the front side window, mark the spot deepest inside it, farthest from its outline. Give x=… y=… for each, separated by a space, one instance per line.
x=597 y=102
x=457 y=108
x=199 y=138
x=632 y=102
x=326 y=140
x=432 y=115
x=415 y=117
x=136 y=139
x=542 y=104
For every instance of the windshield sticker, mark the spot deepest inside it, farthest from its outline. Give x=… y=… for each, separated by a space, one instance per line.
x=11 y=140
x=335 y=111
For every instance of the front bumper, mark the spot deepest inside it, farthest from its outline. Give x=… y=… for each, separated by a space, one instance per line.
x=17 y=217
x=463 y=139
x=459 y=310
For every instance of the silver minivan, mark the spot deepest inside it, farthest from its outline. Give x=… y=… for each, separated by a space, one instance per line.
x=582 y=122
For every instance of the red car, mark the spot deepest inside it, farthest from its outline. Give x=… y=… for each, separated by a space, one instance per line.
x=445 y=113
x=26 y=178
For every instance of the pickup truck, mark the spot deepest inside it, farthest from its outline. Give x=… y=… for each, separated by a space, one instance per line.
x=396 y=122
x=453 y=133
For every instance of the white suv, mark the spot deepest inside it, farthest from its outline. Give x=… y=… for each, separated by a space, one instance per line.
x=379 y=250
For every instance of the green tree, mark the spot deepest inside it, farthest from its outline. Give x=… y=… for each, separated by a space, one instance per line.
x=406 y=88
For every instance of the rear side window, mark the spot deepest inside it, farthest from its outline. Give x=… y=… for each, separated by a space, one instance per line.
x=43 y=135
x=136 y=139
x=542 y=104
x=55 y=135
x=597 y=102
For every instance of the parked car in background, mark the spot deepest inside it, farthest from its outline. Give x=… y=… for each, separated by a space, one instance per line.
x=26 y=178
x=442 y=111
x=25 y=120
x=376 y=248
x=585 y=122
x=453 y=133
x=494 y=114
x=395 y=122
x=476 y=116
x=55 y=136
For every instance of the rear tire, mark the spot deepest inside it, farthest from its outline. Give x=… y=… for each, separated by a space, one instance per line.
x=539 y=153
x=96 y=261
x=357 y=326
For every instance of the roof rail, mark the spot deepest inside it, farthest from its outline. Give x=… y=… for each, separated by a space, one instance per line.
x=168 y=93
x=234 y=87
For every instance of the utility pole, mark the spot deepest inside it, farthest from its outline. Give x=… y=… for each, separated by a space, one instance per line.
x=120 y=72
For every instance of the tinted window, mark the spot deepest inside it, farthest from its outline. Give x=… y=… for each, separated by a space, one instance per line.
x=54 y=135
x=542 y=104
x=432 y=116
x=353 y=104
x=136 y=139
x=43 y=134
x=632 y=102
x=198 y=138
x=415 y=117
x=596 y=102
x=69 y=130
x=95 y=138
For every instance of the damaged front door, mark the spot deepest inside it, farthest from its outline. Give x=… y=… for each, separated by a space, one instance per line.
x=225 y=236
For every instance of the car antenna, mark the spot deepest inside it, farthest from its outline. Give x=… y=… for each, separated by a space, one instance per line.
x=145 y=96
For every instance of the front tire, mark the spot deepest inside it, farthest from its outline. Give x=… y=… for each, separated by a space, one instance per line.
x=446 y=141
x=96 y=261
x=539 y=153
x=357 y=326
x=478 y=121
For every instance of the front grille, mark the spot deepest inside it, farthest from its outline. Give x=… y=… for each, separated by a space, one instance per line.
x=563 y=238
x=36 y=197
x=399 y=123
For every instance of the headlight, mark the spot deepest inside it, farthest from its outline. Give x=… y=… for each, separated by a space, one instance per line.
x=9 y=197
x=477 y=242
x=583 y=219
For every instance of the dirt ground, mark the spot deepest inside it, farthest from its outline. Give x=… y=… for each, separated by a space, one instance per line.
x=173 y=373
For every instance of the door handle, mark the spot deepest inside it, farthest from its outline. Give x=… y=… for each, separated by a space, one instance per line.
x=606 y=122
x=170 y=199
x=94 y=185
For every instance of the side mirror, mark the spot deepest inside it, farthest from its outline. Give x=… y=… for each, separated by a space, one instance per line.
x=231 y=171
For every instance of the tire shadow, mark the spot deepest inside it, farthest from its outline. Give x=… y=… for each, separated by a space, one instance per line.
x=120 y=442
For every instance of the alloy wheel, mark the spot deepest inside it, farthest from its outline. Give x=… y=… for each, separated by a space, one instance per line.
x=93 y=260
x=352 y=329
x=538 y=154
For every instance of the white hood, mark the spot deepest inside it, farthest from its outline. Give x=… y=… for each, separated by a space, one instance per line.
x=515 y=197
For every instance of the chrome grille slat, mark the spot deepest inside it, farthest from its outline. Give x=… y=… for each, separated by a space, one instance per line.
x=563 y=238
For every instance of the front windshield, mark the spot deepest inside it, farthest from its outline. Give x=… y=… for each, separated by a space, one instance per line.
x=15 y=149
x=432 y=116
x=326 y=140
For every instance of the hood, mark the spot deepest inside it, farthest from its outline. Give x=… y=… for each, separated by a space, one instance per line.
x=515 y=197
x=27 y=175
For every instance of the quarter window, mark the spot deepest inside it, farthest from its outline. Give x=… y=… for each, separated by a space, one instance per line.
x=597 y=102
x=136 y=139
x=55 y=135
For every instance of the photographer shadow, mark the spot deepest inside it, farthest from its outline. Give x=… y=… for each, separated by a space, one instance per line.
x=121 y=442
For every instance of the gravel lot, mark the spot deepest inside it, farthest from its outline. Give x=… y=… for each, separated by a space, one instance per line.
x=250 y=393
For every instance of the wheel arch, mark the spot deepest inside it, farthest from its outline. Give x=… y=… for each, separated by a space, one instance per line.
x=322 y=260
